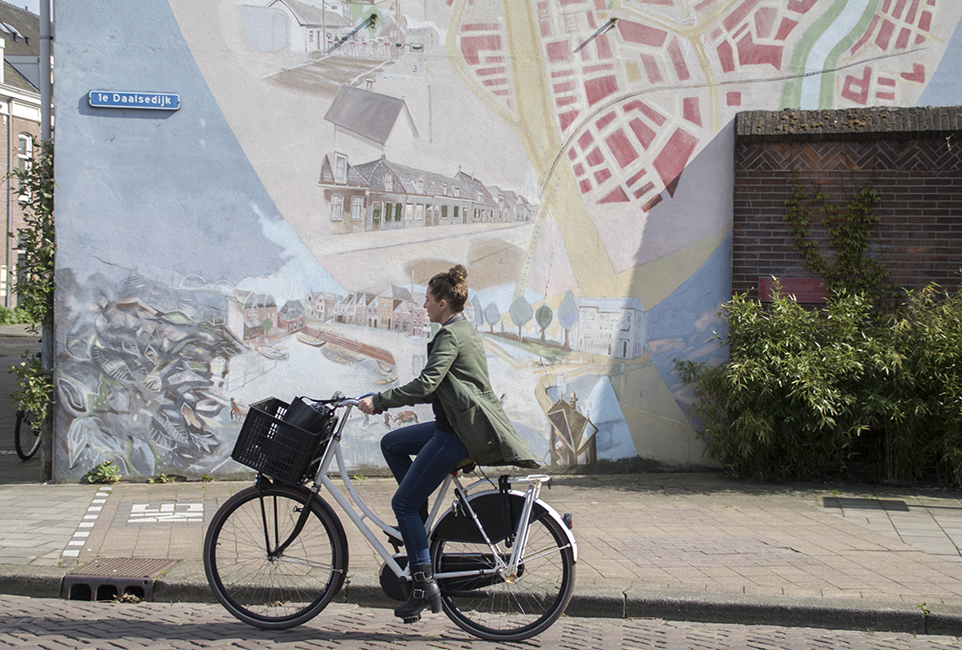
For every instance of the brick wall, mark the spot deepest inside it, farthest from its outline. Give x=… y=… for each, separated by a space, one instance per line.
x=912 y=156
x=8 y=250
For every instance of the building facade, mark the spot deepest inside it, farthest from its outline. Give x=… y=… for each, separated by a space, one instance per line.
x=20 y=107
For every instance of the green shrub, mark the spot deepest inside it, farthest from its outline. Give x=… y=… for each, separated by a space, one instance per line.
x=34 y=391
x=14 y=316
x=839 y=392
x=924 y=428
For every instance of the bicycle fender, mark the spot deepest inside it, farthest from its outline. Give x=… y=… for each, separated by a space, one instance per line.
x=456 y=526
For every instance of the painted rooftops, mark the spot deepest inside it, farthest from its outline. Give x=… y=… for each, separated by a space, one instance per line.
x=382 y=175
x=292 y=308
x=251 y=300
x=352 y=177
x=397 y=293
x=305 y=14
x=368 y=114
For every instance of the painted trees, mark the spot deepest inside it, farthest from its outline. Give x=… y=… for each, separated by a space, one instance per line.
x=543 y=316
x=568 y=315
x=492 y=315
x=520 y=313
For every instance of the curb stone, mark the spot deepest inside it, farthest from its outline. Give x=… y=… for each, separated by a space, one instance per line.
x=186 y=582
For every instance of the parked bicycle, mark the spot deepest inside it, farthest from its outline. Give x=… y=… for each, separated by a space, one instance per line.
x=26 y=435
x=27 y=432
x=276 y=553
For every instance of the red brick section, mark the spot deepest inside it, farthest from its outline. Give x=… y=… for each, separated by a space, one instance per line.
x=913 y=157
x=9 y=252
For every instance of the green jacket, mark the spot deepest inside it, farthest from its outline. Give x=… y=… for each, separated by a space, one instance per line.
x=457 y=370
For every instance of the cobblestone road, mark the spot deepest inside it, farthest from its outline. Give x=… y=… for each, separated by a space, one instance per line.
x=51 y=623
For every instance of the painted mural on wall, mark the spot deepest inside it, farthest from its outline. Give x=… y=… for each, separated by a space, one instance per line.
x=274 y=236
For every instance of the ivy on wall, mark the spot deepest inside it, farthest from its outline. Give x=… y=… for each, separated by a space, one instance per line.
x=35 y=275
x=850 y=265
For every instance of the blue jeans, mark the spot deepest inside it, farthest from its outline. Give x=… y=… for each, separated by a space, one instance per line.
x=436 y=454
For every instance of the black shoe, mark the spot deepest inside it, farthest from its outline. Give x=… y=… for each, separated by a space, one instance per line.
x=424 y=592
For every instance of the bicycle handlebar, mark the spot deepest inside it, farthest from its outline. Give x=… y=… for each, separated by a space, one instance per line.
x=340 y=400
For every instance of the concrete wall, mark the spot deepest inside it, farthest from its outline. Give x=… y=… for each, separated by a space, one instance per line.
x=568 y=166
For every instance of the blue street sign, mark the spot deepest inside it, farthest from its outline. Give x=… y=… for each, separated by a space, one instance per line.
x=128 y=99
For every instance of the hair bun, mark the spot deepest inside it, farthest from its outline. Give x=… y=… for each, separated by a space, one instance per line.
x=458 y=274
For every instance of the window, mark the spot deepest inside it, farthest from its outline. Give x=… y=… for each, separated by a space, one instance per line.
x=24 y=151
x=419 y=187
x=388 y=182
x=457 y=191
x=419 y=212
x=409 y=212
x=340 y=168
x=337 y=207
x=357 y=208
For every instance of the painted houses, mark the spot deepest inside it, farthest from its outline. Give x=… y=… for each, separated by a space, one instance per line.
x=613 y=327
x=290 y=318
x=382 y=195
x=319 y=305
x=395 y=309
x=251 y=316
x=317 y=28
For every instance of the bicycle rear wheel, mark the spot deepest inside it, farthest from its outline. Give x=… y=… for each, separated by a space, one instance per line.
x=26 y=437
x=490 y=607
x=259 y=588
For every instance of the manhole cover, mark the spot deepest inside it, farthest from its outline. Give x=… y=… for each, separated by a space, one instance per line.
x=114 y=578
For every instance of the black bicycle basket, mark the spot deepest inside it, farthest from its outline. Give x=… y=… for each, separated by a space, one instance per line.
x=284 y=441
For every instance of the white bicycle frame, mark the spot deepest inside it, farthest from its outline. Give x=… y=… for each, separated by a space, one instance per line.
x=507 y=569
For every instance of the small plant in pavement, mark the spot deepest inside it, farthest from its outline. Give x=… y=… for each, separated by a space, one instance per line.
x=106 y=472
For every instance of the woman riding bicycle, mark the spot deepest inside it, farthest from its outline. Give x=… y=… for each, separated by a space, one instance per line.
x=469 y=423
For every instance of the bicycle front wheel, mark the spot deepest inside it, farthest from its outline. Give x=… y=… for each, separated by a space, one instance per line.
x=26 y=438
x=495 y=609
x=256 y=584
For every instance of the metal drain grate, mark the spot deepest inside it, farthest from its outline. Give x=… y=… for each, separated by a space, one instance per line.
x=114 y=578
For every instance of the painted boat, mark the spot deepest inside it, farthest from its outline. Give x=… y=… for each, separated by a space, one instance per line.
x=313 y=341
x=273 y=353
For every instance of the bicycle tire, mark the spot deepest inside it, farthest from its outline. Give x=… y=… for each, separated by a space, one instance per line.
x=496 y=610
x=278 y=593
x=33 y=437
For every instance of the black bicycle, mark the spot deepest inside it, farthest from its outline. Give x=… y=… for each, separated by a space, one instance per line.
x=26 y=435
